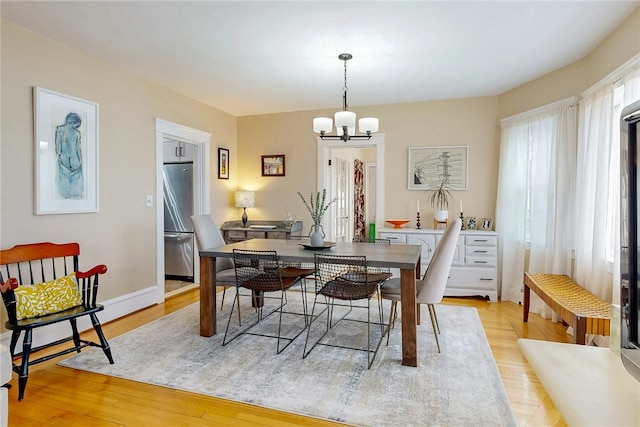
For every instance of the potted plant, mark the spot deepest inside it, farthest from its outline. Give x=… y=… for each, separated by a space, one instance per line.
x=439 y=198
x=317 y=208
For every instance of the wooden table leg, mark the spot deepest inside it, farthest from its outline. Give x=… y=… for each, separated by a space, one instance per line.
x=408 y=306
x=207 y=296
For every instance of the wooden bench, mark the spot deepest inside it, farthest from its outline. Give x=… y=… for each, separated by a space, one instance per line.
x=56 y=297
x=576 y=306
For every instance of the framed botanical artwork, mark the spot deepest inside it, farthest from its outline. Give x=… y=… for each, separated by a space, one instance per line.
x=66 y=153
x=430 y=166
x=470 y=222
x=273 y=165
x=223 y=163
x=486 y=224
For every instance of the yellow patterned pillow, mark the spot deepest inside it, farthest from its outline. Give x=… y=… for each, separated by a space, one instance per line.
x=48 y=297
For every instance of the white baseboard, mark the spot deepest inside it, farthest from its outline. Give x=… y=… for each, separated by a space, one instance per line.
x=113 y=309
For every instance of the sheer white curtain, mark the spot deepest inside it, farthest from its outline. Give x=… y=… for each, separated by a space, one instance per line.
x=597 y=188
x=535 y=188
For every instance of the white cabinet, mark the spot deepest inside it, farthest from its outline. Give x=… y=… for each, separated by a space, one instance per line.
x=474 y=269
x=428 y=243
x=177 y=152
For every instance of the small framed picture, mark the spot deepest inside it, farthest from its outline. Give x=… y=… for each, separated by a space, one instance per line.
x=487 y=224
x=273 y=165
x=223 y=163
x=470 y=222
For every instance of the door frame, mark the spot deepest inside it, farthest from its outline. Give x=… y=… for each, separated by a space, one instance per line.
x=201 y=187
x=323 y=178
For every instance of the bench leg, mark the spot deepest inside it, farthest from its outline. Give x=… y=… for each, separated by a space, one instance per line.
x=527 y=301
x=23 y=375
x=580 y=330
x=103 y=340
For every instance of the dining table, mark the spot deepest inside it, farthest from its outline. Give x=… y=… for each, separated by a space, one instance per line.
x=406 y=258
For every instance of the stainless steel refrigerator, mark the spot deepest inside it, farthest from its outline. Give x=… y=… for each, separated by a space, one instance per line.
x=178 y=230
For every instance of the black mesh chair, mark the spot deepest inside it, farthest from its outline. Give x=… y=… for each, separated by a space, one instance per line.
x=344 y=278
x=260 y=273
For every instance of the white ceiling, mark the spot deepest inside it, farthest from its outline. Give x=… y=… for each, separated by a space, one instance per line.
x=247 y=57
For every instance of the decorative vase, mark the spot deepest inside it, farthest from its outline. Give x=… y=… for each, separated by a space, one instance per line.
x=316 y=235
x=441 y=216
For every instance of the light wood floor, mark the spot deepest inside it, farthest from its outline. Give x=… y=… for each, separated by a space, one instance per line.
x=62 y=396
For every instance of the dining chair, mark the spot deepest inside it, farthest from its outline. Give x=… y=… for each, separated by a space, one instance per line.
x=208 y=235
x=260 y=272
x=430 y=289
x=345 y=278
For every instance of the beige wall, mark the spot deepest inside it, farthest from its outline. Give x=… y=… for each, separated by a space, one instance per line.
x=471 y=122
x=122 y=234
x=615 y=50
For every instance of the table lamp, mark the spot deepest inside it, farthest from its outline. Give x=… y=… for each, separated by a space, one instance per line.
x=244 y=200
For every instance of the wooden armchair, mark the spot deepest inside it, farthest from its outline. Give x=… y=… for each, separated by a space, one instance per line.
x=41 y=285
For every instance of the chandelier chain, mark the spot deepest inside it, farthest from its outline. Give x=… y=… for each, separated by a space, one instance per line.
x=345 y=89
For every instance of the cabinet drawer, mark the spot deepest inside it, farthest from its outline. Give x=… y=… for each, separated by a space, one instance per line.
x=236 y=234
x=481 y=261
x=394 y=237
x=256 y=234
x=276 y=235
x=472 y=251
x=481 y=240
x=473 y=278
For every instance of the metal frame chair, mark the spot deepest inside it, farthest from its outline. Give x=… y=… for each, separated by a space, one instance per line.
x=261 y=272
x=346 y=278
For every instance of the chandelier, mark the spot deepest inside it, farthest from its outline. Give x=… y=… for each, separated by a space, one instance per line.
x=345 y=120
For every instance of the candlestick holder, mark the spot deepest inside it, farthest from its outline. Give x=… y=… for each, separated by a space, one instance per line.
x=462 y=219
x=418 y=220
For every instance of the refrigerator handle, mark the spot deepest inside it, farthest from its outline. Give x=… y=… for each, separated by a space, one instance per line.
x=177 y=236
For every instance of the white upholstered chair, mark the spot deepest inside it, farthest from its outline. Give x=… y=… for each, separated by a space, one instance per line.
x=208 y=235
x=430 y=289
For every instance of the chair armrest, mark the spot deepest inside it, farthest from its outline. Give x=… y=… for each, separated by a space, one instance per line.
x=9 y=285
x=98 y=269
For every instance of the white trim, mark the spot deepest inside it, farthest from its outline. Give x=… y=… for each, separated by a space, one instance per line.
x=377 y=141
x=613 y=76
x=540 y=110
x=201 y=178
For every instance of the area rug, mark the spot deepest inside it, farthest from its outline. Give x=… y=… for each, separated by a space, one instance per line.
x=459 y=387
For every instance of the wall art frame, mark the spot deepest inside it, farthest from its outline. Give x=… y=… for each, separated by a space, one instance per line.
x=223 y=163
x=273 y=165
x=470 y=223
x=427 y=166
x=66 y=153
x=486 y=224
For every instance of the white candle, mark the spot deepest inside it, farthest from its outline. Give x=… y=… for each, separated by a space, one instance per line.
x=418 y=206
x=461 y=206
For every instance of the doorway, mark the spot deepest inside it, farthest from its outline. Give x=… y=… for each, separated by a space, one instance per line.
x=326 y=179
x=199 y=141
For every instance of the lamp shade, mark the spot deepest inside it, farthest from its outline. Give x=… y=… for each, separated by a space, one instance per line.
x=245 y=199
x=345 y=118
x=322 y=124
x=368 y=124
